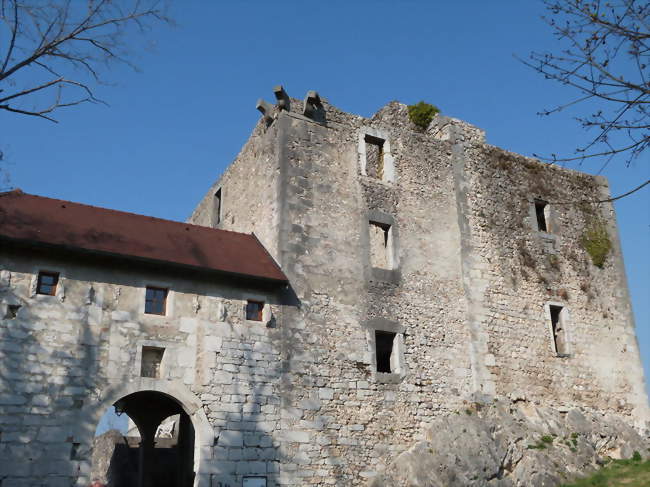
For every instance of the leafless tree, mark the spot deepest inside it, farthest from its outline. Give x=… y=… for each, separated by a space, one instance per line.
x=53 y=53
x=606 y=58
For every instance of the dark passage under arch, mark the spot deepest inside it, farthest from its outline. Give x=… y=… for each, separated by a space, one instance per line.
x=153 y=462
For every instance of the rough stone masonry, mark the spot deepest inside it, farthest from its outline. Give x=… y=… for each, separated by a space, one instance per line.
x=426 y=272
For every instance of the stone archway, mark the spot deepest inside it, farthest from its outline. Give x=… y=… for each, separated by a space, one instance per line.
x=180 y=396
x=170 y=464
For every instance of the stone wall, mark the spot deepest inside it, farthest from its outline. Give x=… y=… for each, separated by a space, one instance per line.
x=351 y=362
x=520 y=269
x=249 y=191
x=65 y=359
x=465 y=290
x=358 y=415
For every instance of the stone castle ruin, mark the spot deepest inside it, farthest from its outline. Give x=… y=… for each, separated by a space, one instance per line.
x=347 y=284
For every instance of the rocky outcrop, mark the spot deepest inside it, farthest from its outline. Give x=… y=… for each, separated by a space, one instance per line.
x=508 y=445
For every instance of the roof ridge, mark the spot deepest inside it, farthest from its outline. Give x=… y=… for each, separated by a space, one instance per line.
x=11 y=192
x=18 y=191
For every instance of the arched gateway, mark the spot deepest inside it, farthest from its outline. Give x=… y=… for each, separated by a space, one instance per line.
x=148 y=402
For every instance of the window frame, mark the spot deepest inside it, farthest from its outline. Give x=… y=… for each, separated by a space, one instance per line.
x=260 y=312
x=54 y=286
x=564 y=321
x=392 y=337
x=145 y=348
x=392 y=274
x=164 y=301
x=398 y=365
x=379 y=143
x=388 y=172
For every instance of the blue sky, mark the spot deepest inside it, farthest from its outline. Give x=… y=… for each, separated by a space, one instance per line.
x=173 y=127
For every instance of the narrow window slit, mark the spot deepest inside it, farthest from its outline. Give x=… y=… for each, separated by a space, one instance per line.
x=542 y=214
x=384 y=350
x=559 y=332
x=217 y=207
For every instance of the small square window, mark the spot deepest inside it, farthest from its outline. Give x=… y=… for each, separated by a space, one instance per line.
x=12 y=311
x=47 y=282
x=254 y=310
x=151 y=360
x=155 y=302
x=384 y=350
x=254 y=482
x=542 y=213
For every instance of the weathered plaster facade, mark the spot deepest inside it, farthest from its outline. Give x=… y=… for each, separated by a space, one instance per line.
x=462 y=289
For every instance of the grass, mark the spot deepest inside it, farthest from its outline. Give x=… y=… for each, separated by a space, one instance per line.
x=618 y=473
x=542 y=444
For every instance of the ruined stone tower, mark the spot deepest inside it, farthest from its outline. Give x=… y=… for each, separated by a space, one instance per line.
x=419 y=271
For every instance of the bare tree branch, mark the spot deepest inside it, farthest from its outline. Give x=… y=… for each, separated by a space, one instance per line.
x=12 y=42
x=58 y=44
x=606 y=58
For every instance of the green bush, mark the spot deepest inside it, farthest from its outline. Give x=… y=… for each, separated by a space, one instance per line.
x=596 y=242
x=422 y=113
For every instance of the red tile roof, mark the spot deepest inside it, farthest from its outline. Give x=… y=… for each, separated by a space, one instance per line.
x=36 y=219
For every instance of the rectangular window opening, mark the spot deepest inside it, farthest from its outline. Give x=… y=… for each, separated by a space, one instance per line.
x=217 y=207
x=542 y=214
x=374 y=156
x=155 y=302
x=47 y=282
x=151 y=360
x=74 y=451
x=254 y=482
x=559 y=332
x=12 y=311
x=380 y=252
x=384 y=350
x=254 y=310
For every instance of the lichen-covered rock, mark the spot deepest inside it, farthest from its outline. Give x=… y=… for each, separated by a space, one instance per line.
x=510 y=445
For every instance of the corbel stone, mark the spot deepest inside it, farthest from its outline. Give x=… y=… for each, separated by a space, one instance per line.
x=266 y=109
x=313 y=107
x=283 y=102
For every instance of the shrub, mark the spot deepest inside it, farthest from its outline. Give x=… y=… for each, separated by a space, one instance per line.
x=596 y=242
x=422 y=113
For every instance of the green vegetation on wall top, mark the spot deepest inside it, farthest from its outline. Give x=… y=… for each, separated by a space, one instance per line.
x=422 y=113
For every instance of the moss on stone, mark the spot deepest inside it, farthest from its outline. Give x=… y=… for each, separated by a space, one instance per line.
x=597 y=243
